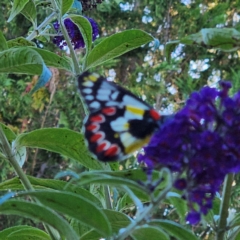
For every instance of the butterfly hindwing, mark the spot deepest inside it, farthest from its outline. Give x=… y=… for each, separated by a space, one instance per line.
x=119 y=123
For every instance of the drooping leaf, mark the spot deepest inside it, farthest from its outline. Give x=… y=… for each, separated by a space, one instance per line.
x=29 y=11
x=3 y=45
x=17 y=7
x=85 y=29
x=65 y=6
x=21 y=60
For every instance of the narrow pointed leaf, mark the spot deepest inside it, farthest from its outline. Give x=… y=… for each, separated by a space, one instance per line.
x=3 y=45
x=29 y=11
x=116 y=45
x=17 y=7
x=85 y=29
x=65 y=6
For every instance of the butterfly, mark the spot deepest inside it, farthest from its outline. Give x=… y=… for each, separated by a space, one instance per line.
x=119 y=122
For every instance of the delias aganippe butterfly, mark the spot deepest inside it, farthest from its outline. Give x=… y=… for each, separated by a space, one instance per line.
x=119 y=123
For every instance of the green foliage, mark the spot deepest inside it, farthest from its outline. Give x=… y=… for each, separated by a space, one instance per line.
x=108 y=200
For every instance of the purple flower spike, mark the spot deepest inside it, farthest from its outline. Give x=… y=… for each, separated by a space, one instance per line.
x=201 y=143
x=74 y=33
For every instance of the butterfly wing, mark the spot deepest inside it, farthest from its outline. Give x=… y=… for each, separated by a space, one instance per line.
x=119 y=123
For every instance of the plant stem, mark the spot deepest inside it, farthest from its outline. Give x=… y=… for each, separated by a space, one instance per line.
x=227 y=188
x=148 y=211
x=42 y=25
x=74 y=58
x=11 y=157
x=107 y=197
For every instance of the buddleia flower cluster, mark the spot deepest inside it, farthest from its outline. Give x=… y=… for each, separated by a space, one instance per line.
x=74 y=33
x=200 y=144
x=90 y=4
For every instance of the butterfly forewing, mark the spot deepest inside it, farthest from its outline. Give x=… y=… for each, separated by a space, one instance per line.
x=119 y=123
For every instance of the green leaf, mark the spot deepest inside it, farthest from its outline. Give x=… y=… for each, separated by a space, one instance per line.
x=13 y=231
x=65 y=6
x=3 y=45
x=74 y=206
x=39 y=183
x=180 y=205
x=225 y=39
x=19 y=42
x=39 y=213
x=116 y=45
x=174 y=229
x=63 y=141
x=149 y=232
x=105 y=179
x=17 y=7
x=20 y=156
x=21 y=60
x=85 y=29
x=54 y=60
x=30 y=12
x=117 y=220
x=28 y=234
x=10 y=135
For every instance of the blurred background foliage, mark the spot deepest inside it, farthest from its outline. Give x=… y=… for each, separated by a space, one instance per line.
x=143 y=71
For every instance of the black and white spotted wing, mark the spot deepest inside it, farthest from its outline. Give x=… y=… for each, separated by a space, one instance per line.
x=119 y=123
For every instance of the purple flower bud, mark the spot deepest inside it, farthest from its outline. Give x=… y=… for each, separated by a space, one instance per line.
x=74 y=33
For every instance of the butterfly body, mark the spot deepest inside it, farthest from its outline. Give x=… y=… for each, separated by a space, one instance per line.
x=119 y=123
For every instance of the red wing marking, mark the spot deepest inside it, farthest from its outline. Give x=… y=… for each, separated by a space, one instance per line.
x=109 y=110
x=97 y=118
x=96 y=137
x=112 y=151
x=154 y=114
x=102 y=146
x=93 y=127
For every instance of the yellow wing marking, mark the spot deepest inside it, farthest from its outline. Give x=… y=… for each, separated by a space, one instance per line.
x=135 y=110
